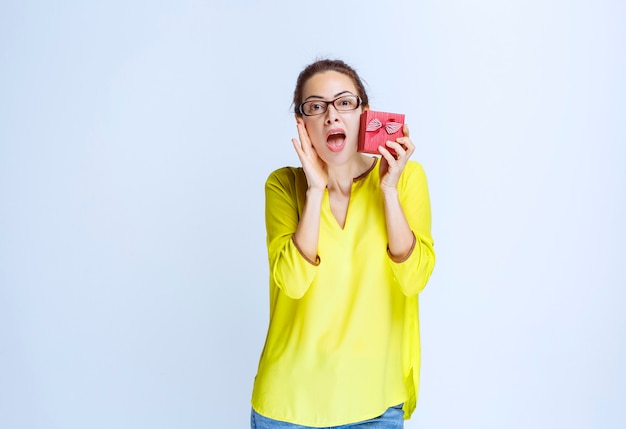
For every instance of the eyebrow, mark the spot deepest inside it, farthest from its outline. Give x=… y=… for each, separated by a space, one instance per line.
x=335 y=96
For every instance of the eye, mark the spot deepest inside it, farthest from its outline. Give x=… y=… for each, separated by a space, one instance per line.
x=347 y=103
x=314 y=107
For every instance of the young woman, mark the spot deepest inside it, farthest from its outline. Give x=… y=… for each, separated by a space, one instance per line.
x=349 y=248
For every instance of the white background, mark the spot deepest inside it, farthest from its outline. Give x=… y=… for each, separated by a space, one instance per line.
x=135 y=139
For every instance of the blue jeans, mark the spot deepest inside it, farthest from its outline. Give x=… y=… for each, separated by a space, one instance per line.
x=393 y=418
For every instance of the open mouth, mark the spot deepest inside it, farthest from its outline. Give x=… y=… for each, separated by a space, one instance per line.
x=336 y=140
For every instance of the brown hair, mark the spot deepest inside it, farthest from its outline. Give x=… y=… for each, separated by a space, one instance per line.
x=324 y=65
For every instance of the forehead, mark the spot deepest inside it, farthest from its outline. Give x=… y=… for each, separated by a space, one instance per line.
x=327 y=84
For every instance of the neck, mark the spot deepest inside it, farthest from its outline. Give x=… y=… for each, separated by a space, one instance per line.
x=340 y=177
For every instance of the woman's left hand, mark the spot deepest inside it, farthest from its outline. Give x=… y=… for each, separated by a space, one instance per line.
x=391 y=167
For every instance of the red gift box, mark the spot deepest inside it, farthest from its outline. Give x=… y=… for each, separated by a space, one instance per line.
x=377 y=128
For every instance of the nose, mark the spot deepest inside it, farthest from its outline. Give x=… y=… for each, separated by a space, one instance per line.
x=332 y=115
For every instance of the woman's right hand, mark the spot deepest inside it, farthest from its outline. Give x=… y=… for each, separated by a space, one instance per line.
x=313 y=166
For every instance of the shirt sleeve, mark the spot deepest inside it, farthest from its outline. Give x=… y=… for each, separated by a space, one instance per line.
x=290 y=271
x=413 y=272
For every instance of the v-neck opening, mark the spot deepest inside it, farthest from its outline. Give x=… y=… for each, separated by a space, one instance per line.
x=354 y=181
x=330 y=210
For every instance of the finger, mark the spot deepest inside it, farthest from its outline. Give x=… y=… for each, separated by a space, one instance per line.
x=397 y=147
x=298 y=147
x=387 y=155
x=407 y=144
x=405 y=130
x=303 y=134
x=384 y=164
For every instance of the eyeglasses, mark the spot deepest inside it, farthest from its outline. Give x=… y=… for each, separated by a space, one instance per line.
x=344 y=103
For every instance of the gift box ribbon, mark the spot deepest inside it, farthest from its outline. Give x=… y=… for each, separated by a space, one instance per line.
x=390 y=127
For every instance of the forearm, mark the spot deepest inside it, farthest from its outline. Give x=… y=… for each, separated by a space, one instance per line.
x=306 y=237
x=401 y=239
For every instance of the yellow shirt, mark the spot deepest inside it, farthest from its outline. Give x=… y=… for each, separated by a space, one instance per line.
x=343 y=339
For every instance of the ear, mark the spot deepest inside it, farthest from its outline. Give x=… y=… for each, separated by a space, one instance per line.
x=365 y=107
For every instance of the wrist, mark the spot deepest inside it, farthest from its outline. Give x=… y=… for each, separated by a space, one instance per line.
x=389 y=191
x=312 y=191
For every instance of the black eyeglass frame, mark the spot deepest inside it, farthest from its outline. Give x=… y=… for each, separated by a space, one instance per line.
x=358 y=104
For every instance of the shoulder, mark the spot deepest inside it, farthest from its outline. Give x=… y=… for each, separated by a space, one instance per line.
x=413 y=166
x=413 y=179
x=285 y=175
x=413 y=171
x=287 y=179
